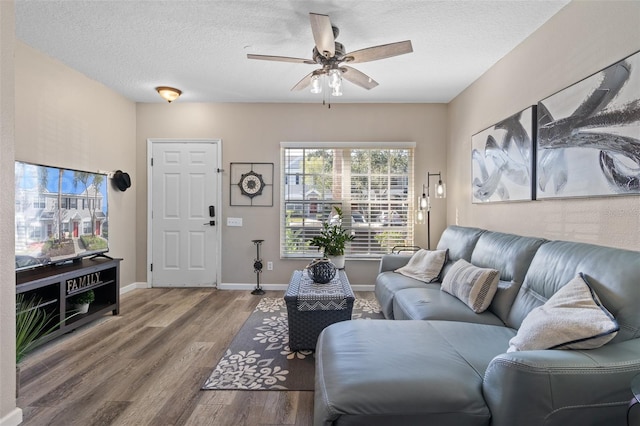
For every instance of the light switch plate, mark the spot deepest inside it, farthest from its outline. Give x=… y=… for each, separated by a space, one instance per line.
x=234 y=221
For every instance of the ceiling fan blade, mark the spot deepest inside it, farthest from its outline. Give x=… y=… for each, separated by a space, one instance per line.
x=379 y=52
x=358 y=78
x=281 y=59
x=323 y=34
x=304 y=83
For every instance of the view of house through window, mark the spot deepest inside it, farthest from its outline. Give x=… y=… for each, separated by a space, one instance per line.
x=371 y=183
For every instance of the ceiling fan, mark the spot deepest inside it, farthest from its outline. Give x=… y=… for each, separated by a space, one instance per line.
x=330 y=55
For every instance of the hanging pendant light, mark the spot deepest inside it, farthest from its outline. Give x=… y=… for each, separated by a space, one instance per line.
x=441 y=189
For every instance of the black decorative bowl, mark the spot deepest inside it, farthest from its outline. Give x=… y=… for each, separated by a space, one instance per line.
x=321 y=271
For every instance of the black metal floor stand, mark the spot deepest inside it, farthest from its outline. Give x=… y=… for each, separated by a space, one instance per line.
x=257 y=268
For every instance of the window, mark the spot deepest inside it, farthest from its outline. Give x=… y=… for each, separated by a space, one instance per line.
x=88 y=204
x=371 y=182
x=69 y=203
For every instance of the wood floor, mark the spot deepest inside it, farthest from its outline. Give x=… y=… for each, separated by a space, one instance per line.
x=146 y=366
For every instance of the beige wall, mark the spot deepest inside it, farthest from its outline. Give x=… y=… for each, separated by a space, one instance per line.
x=65 y=119
x=62 y=118
x=9 y=414
x=581 y=39
x=253 y=132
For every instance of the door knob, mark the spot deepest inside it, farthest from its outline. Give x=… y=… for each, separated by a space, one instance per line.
x=211 y=223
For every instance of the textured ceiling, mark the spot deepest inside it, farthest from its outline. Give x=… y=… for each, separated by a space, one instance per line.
x=200 y=47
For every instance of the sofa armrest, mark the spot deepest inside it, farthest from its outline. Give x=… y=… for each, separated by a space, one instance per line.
x=555 y=387
x=391 y=262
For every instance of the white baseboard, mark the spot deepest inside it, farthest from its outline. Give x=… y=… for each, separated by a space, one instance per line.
x=282 y=287
x=133 y=286
x=244 y=286
x=363 y=287
x=13 y=418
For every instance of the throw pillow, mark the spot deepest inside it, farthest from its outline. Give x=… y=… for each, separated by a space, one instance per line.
x=474 y=286
x=573 y=318
x=425 y=265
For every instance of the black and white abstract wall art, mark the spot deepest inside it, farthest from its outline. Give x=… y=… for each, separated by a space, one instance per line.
x=502 y=158
x=589 y=135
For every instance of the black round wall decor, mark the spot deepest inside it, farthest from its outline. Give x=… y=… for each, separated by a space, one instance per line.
x=251 y=184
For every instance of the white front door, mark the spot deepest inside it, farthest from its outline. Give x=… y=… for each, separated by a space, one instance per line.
x=184 y=200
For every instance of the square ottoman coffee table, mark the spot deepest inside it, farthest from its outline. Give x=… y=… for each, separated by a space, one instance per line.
x=311 y=307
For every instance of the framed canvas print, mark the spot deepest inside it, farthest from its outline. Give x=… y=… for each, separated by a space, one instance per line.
x=502 y=158
x=589 y=135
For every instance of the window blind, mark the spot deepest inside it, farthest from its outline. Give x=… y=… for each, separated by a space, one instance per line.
x=371 y=182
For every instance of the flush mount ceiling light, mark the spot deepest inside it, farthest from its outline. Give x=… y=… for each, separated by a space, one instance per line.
x=169 y=94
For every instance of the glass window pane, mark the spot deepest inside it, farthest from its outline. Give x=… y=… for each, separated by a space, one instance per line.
x=371 y=186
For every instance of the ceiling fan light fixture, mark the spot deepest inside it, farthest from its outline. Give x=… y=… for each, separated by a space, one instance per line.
x=337 y=90
x=330 y=54
x=334 y=78
x=169 y=94
x=316 y=84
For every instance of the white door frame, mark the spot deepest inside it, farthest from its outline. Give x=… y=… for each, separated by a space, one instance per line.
x=218 y=144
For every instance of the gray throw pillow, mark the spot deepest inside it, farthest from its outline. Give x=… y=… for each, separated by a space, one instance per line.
x=573 y=318
x=472 y=285
x=424 y=265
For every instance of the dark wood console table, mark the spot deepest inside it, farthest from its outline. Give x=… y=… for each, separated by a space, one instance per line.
x=54 y=285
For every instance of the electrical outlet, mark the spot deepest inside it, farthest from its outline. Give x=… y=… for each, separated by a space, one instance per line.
x=269 y=266
x=234 y=221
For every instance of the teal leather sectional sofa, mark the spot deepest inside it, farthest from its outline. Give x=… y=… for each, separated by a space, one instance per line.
x=434 y=361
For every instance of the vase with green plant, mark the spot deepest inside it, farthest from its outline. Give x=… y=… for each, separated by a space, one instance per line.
x=333 y=239
x=80 y=302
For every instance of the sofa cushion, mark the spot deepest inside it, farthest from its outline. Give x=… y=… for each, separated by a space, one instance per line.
x=424 y=265
x=393 y=261
x=474 y=286
x=404 y=372
x=429 y=303
x=460 y=241
x=388 y=283
x=511 y=255
x=573 y=318
x=612 y=273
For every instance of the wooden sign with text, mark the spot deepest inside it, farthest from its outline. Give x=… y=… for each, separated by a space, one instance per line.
x=83 y=281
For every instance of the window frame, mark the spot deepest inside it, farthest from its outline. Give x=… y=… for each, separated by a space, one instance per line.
x=408 y=228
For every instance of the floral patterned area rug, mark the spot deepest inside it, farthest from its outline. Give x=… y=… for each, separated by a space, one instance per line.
x=259 y=357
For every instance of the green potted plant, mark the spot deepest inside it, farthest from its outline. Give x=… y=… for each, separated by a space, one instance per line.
x=32 y=324
x=333 y=239
x=80 y=302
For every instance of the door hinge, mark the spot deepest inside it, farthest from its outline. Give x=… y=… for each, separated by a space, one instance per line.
x=151 y=267
x=151 y=161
